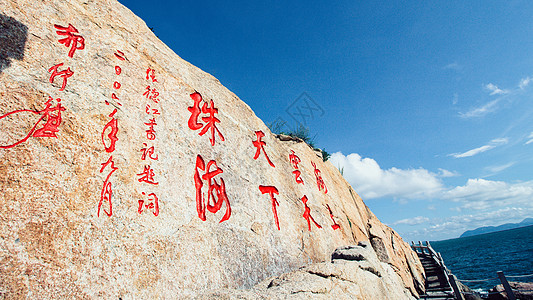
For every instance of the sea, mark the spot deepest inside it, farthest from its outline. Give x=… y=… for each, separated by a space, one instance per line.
x=480 y=257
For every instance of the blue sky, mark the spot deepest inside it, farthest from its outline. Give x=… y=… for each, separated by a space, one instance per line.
x=427 y=106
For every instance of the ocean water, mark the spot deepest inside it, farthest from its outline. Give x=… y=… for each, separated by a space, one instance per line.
x=481 y=256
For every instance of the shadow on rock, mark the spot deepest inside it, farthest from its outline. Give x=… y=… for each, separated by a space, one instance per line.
x=13 y=36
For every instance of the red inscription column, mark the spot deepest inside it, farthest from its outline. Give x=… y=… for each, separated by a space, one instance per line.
x=148 y=151
x=109 y=136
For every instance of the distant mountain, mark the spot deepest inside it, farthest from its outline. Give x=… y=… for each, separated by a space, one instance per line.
x=507 y=226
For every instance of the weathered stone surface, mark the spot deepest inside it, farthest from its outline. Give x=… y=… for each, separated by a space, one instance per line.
x=54 y=242
x=354 y=272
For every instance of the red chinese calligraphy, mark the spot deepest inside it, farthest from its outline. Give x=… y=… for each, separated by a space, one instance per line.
x=107 y=191
x=147 y=175
x=150 y=75
x=151 y=203
x=295 y=160
x=150 y=133
x=319 y=181
x=297 y=176
x=112 y=135
x=71 y=38
x=65 y=74
x=335 y=226
x=307 y=214
x=149 y=110
x=148 y=152
x=210 y=120
x=215 y=190
x=51 y=116
x=152 y=94
x=271 y=190
x=259 y=144
x=195 y=111
x=50 y=128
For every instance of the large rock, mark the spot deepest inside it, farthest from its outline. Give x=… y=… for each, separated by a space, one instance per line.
x=521 y=290
x=354 y=272
x=80 y=112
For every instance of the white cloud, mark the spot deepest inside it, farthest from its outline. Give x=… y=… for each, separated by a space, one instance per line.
x=499 y=168
x=445 y=173
x=454 y=226
x=524 y=82
x=530 y=139
x=495 y=90
x=371 y=181
x=481 y=111
x=453 y=66
x=460 y=224
x=412 y=221
x=492 y=144
x=481 y=193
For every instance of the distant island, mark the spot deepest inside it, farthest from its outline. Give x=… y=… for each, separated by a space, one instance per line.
x=507 y=226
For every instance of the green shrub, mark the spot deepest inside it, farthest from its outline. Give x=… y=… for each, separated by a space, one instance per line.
x=300 y=132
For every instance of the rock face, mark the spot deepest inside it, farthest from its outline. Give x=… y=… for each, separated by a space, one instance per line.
x=355 y=272
x=126 y=172
x=521 y=290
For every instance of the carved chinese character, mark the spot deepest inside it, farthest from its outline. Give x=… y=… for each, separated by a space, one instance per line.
x=150 y=133
x=297 y=177
x=335 y=226
x=148 y=152
x=50 y=128
x=71 y=38
x=152 y=94
x=271 y=190
x=150 y=75
x=294 y=159
x=65 y=74
x=147 y=175
x=149 y=110
x=51 y=116
x=151 y=203
x=319 y=181
x=210 y=120
x=307 y=214
x=107 y=191
x=259 y=144
x=112 y=135
x=215 y=190
x=195 y=111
